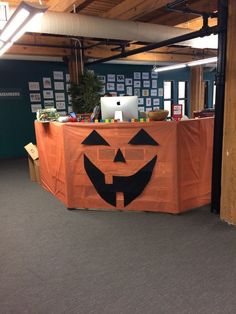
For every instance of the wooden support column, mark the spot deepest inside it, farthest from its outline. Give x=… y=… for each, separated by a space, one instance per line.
x=196 y=89
x=228 y=182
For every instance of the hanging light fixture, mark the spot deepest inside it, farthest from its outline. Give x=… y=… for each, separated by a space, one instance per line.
x=184 y=65
x=16 y=26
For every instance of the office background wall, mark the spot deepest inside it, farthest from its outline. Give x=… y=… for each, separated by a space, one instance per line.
x=175 y=76
x=17 y=119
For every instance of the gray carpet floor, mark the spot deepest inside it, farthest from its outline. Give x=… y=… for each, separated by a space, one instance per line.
x=57 y=261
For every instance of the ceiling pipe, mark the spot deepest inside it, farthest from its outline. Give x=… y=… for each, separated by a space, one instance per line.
x=200 y=33
x=75 y=25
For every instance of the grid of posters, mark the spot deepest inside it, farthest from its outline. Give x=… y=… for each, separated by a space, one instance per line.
x=50 y=91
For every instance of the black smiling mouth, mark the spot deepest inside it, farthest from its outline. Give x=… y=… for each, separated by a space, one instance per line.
x=131 y=186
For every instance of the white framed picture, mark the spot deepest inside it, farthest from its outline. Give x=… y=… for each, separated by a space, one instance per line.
x=59 y=85
x=156 y=102
x=48 y=94
x=154 y=75
x=67 y=87
x=137 y=75
x=35 y=97
x=137 y=84
x=160 y=92
x=153 y=92
x=141 y=109
x=148 y=102
x=58 y=75
x=146 y=84
x=47 y=83
x=120 y=78
x=137 y=92
x=60 y=96
x=145 y=75
x=111 y=77
x=128 y=81
x=140 y=101
x=34 y=86
x=67 y=77
x=49 y=103
x=110 y=86
x=145 y=92
x=102 y=78
x=129 y=90
x=35 y=107
x=148 y=109
x=60 y=105
x=154 y=83
x=120 y=87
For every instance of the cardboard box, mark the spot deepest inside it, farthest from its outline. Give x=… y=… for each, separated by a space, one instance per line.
x=33 y=161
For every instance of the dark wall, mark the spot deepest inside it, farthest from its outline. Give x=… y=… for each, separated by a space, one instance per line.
x=175 y=76
x=17 y=119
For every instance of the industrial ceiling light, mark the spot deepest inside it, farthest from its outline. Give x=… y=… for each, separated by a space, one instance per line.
x=202 y=61
x=16 y=26
x=171 y=67
x=184 y=65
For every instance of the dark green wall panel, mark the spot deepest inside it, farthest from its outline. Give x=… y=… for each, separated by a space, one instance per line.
x=16 y=118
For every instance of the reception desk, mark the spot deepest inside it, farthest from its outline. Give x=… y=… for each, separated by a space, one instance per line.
x=151 y=166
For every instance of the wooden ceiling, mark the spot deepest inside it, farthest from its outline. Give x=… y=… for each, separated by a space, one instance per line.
x=148 y=11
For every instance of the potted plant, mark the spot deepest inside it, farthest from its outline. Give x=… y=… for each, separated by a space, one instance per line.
x=86 y=95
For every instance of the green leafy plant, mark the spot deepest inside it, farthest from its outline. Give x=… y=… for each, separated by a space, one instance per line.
x=86 y=95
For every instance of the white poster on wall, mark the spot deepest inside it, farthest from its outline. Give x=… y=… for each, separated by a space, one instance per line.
x=129 y=90
x=35 y=97
x=140 y=101
x=160 y=92
x=60 y=96
x=120 y=78
x=60 y=105
x=47 y=82
x=59 y=85
x=128 y=81
x=34 y=86
x=145 y=75
x=120 y=87
x=47 y=94
x=154 y=83
x=137 y=84
x=146 y=84
x=153 y=92
x=35 y=107
x=156 y=102
x=148 y=102
x=110 y=86
x=111 y=78
x=58 y=75
x=137 y=75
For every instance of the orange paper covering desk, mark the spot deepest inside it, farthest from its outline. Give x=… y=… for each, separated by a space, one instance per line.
x=154 y=166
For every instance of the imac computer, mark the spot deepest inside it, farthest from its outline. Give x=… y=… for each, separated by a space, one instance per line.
x=127 y=105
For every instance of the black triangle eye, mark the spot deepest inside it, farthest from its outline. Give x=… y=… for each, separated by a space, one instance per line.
x=143 y=138
x=94 y=139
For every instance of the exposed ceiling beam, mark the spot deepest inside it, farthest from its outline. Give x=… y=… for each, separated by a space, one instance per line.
x=83 y=5
x=197 y=23
x=65 y=5
x=39 y=51
x=131 y=10
x=166 y=55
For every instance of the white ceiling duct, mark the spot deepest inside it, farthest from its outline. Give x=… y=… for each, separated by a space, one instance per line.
x=71 y=24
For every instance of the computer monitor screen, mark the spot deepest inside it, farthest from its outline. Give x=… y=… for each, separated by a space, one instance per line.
x=127 y=104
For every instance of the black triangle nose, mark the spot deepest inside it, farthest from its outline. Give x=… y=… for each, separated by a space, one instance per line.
x=119 y=157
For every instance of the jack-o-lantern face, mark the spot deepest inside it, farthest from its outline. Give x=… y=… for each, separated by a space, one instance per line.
x=131 y=186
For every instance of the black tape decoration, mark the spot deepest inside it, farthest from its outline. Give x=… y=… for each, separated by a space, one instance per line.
x=94 y=139
x=119 y=157
x=130 y=186
x=143 y=138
